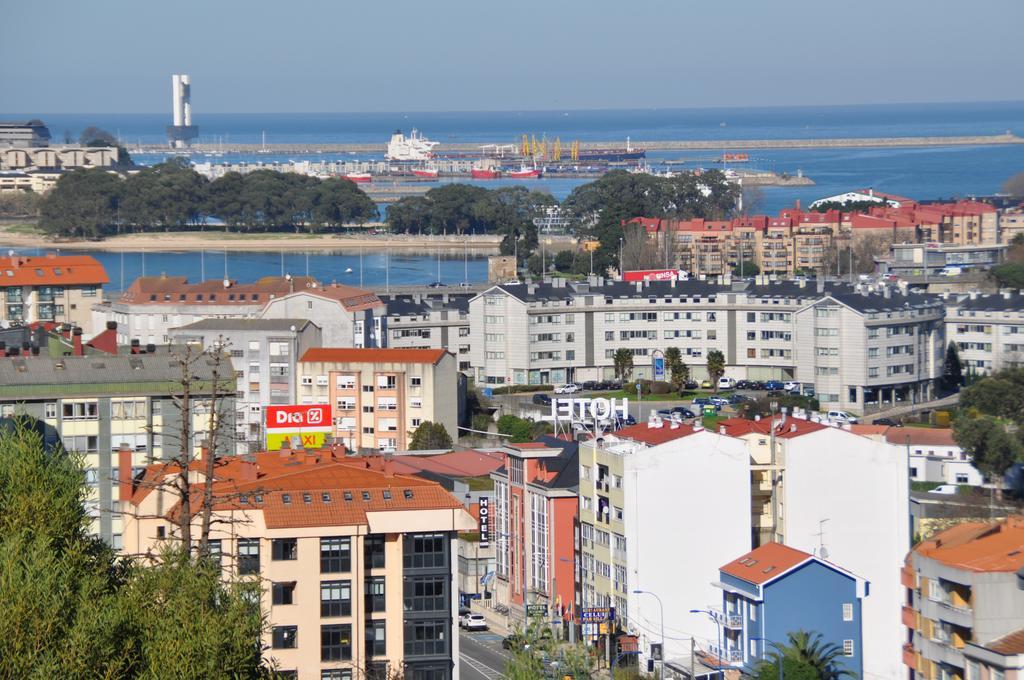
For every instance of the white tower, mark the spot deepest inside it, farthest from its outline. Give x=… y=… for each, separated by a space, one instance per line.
x=181 y=132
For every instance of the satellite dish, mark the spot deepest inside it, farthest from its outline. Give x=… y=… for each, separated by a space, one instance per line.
x=287 y=277
x=227 y=283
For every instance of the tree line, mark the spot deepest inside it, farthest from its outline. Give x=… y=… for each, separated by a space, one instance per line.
x=94 y=203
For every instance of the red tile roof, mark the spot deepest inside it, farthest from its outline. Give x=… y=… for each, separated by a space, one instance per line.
x=347 y=355
x=351 y=298
x=469 y=463
x=765 y=563
x=652 y=436
x=793 y=427
x=177 y=290
x=52 y=270
x=979 y=546
x=278 y=483
x=920 y=436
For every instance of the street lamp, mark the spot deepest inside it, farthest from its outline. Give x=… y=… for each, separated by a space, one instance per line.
x=718 y=625
x=661 y=612
x=777 y=649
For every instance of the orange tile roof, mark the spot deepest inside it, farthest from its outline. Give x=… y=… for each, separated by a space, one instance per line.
x=177 y=290
x=652 y=436
x=266 y=481
x=869 y=430
x=793 y=427
x=765 y=563
x=52 y=270
x=468 y=463
x=1012 y=643
x=979 y=546
x=351 y=298
x=356 y=355
x=921 y=436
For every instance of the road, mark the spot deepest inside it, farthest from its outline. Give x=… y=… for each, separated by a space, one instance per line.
x=481 y=656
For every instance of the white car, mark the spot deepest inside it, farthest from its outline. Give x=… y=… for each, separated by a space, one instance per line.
x=726 y=383
x=567 y=388
x=473 y=622
x=945 y=489
x=842 y=417
x=791 y=385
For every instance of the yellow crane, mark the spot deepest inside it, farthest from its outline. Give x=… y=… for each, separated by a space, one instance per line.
x=525 y=147
x=574 y=151
x=556 y=151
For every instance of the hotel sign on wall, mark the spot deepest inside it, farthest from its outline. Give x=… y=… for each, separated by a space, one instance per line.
x=303 y=425
x=485 y=521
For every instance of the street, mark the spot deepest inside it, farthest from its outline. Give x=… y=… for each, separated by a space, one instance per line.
x=481 y=656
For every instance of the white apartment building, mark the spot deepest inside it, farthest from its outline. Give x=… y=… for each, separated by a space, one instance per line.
x=988 y=330
x=347 y=315
x=860 y=348
x=439 y=321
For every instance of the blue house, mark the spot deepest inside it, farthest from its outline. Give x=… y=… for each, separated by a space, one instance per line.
x=775 y=590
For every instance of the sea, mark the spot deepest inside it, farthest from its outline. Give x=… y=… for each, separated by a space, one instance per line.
x=922 y=173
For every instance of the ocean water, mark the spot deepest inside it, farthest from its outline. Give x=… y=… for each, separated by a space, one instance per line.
x=371 y=269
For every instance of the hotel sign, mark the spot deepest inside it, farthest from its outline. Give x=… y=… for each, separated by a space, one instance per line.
x=584 y=408
x=485 y=521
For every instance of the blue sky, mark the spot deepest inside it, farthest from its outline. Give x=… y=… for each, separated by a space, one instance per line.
x=399 y=55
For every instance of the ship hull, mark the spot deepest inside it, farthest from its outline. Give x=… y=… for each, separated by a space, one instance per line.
x=484 y=174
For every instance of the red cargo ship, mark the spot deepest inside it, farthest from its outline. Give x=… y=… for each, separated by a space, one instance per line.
x=482 y=173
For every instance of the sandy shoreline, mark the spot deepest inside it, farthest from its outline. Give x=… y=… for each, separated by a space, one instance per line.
x=185 y=241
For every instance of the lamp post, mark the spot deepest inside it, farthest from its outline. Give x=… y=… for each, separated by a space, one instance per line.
x=661 y=613
x=777 y=649
x=718 y=625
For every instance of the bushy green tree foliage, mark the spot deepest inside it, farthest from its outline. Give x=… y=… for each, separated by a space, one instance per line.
x=430 y=435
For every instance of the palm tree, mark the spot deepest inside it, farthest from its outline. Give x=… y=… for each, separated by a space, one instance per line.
x=623 y=361
x=716 y=367
x=809 y=649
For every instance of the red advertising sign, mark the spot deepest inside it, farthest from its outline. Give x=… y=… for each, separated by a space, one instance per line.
x=650 y=275
x=311 y=418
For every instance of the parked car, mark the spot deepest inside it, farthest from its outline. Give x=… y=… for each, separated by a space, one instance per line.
x=683 y=411
x=842 y=417
x=591 y=385
x=705 y=401
x=725 y=383
x=756 y=385
x=624 y=422
x=742 y=385
x=567 y=388
x=691 y=385
x=473 y=622
x=541 y=399
x=945 y=489
x=706 y=384
x=720 y=401
x=791 y=386
x=437 y=284
x=774 y=385
x=738 y=398
x=887 y=421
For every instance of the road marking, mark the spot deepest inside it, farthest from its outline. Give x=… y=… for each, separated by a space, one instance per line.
x=481 y=668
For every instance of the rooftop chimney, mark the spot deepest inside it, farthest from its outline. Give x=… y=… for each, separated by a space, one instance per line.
x=76 y=342
x=125 y=483
x=111 y=325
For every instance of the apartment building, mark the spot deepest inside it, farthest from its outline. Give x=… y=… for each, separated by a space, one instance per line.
x=37 y=181
x=536 y=512
x=152 y=305
x=988 y=330
x=934 y=455
x=50 y=288
x=930 y=259
x=348 y=316
x=379 y=396
x=57 y=158
x=662 y=507
x=775 y=590
x=856 y=346
x=964 y=605
x=264 y=354
x=357 y=562
x=1011 y=223
x=30 y=133
x=429 y=322
x=96 y=403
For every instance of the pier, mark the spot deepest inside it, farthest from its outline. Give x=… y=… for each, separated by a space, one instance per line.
x=665 y=145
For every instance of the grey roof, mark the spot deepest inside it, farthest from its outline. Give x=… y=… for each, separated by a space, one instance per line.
x=567 y=463
x=993 y=303
x=407 y=305
x=42 y=376
x=246 y=325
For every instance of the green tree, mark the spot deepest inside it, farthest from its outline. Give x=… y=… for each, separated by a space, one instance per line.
x=94 y=136
x=716 y=367
x=84 y=203
x=1008 y=274
x=678 y=371
x=565 y=260
x=748 y=268
x=519 y=429
x=623 y=361
x=810 y=657
x=993 y=449
x=337 y=202
x=952 y=369
x=793 y=669
x=224 y=199
x=430 y=435
x=72 y=609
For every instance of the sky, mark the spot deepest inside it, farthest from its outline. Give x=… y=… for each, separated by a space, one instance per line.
x=116 y=56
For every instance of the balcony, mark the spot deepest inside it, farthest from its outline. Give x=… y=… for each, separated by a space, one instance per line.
x=909 y=617
x=730 y=656
x=727 y=620
x=909 y=657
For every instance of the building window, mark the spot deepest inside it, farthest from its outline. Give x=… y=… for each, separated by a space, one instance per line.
x=373 y=549
x=426 y=594
x=336 y=674
x=847 y=611
x=375 y=594
x=285 y=637
x=415 y=381
x=425 y=551
x=847 y=647
x=973 y=669
x=336 y=642
x=284 y=549
x=426 y=638
x=335 y=598
x=335 y=554
x=283 y=593
x=50 y=410
x=248 y=556
x=375 y=641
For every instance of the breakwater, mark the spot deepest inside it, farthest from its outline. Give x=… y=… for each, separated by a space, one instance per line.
x=665 y=145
